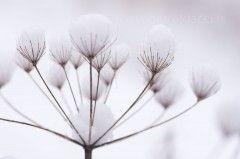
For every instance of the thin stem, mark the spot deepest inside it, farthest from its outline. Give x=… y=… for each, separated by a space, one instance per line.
x=59 y=104
x=69 y=84
x=88 y=153
x=158 y=118
x=148 y=128
x=91 y=104
x=110 y=87
x=16 y=110
x=139 y=109
x=95 y=101
x=42 y=128
x=65 y=101
x=79 y=85
x=53 y=104
x=131 y=106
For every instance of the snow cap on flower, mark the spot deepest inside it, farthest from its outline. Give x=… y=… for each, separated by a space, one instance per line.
x=229 y=118
x=23 y=63
x=7 y=67
x=158 y=49
x=86 y=88
x=103 y=119
x=204 y=82
x=76 y=59
x=31 y=45
x=56 y=76
x=119 y=56
x=169 y=95
x=91 y=34
x=60 y=50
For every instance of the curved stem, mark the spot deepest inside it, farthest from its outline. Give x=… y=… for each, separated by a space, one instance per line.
x=16 y=110
x=110 y=87
x=69 y=84
x=79 y=85
x=148 y=128
x=95 y=101
x=131 y=106
x=42 y=128
x=53 y=104
x=65 y=101
x=158 y=118
x=139 y=109
x=72 y=126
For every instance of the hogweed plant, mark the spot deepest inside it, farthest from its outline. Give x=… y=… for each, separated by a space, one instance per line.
x=92 y=40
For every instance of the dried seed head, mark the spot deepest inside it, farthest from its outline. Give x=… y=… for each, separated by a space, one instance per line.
x=107 y=75
x=56 y=76
x=169 y=95
x=91 y=34
x=204 y=82
x=6 y=71
x=158 y=49
x=60 y=51
x=31 y=45
x=86 y=88
x=23 y=63
x=119 y=56
x=104 y=118
x=229 y=118
x=76 y=59
x=100 y=61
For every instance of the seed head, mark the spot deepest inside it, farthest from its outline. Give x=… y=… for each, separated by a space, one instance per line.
x=23 y=63
x=56 y=76
x=76 y=59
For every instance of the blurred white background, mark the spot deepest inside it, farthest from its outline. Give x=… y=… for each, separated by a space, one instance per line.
x=207 y=32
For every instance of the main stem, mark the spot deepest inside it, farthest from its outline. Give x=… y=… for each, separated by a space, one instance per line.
x=88 y=153
x=91 y=104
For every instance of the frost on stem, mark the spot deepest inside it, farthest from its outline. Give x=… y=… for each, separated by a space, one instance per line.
x=119 y=56
x=91 y=34
x=158 y=49
x=60 y=51
x=107 y=76
x=31 y=45
x=56 y=76
x=76 y=59
x=204 y=82
x=104 y=118
x=6 y=71
x=229 y=118
x=169 y=94
x=86 y=89
x=23 y=63
x=100 y=60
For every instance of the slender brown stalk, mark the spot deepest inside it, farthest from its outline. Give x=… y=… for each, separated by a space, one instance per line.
x=88 y=153
x=110 y=87
x=69 y=84
x=139 y=109
x=43 y=128
x=95 y=101
x=16 y=110
x=131 y=106
x=148 y=128
x=65 y=101
x=79 y=85
x=59 y=104
x=91 y=104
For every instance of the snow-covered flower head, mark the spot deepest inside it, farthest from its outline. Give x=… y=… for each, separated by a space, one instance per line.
x=6 y=71
x=204 y=82
x=76 y=59
x=229 y=118
x=100 y=60
x=31 y=45
x=86 y=88
x=23 y=63
x=91 y=34
x=60 y=50
x=169 y=95
x=107 y=75
x=119 y=56
x=158 y=49
x=103 y=119
x=56 y=76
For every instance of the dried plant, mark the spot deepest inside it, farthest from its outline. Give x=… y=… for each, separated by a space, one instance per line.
x=92 y=123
